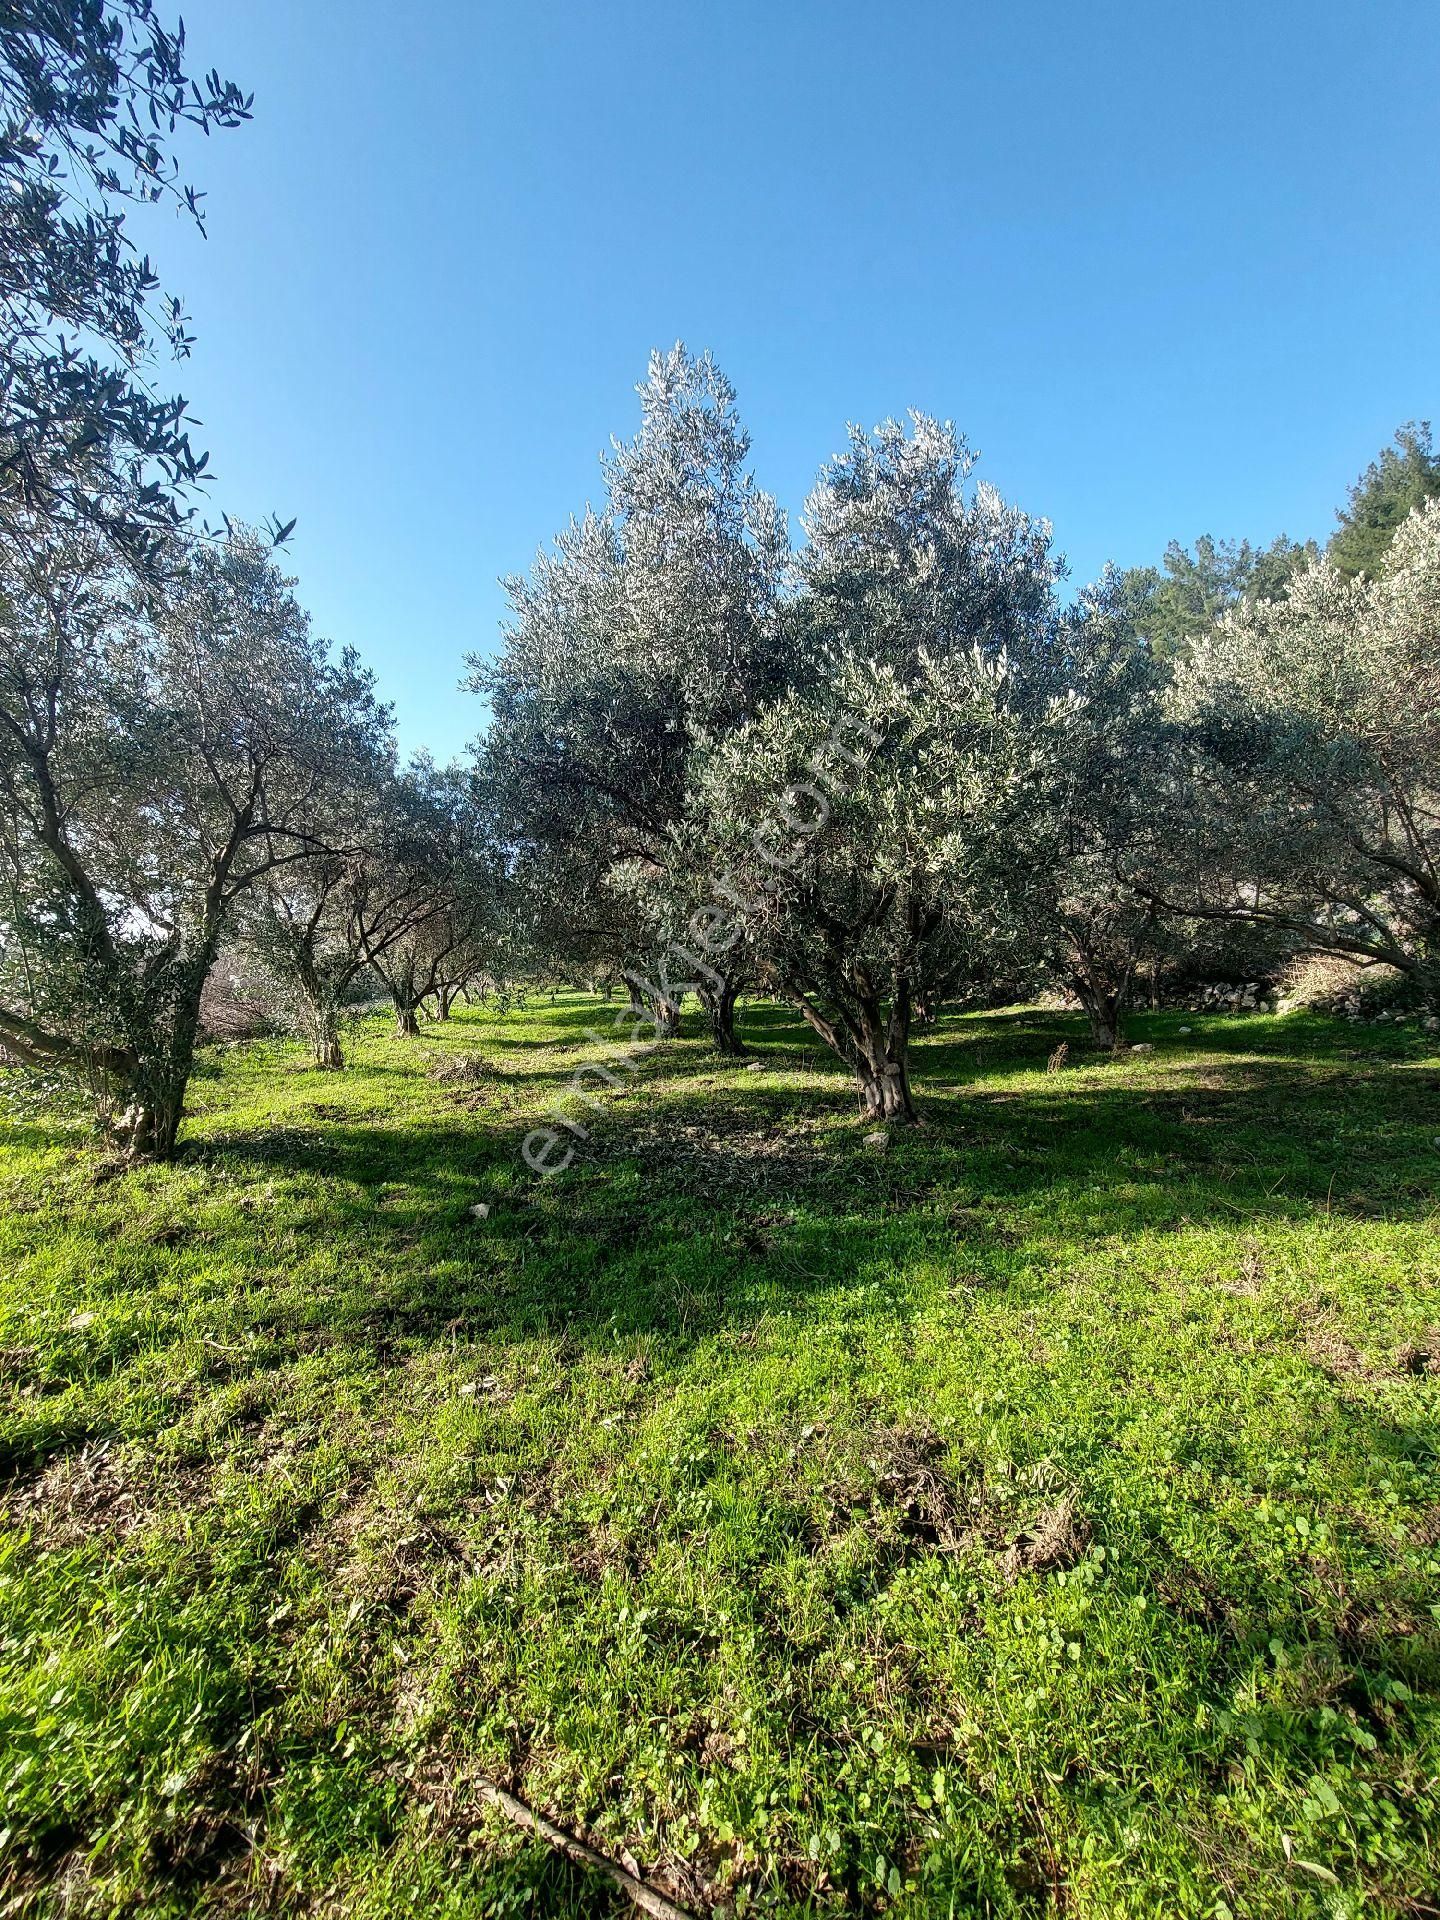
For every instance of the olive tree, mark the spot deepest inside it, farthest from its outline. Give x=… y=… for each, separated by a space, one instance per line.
x=157 y=757
x=428 y=902
x=93 y=94
x=879 y=829
x=1096 y=927
x=298 y=931
x=661 y=900
x=1306 y=743
x=650 y=625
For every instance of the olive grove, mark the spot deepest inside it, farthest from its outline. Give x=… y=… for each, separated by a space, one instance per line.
x=892 y=761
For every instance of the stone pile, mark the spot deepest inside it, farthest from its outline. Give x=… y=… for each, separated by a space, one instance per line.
x=1222 y=996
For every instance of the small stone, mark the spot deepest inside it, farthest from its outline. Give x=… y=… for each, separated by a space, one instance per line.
x=467 y=1390
x=1142 y=1046
x=480 y=1210
x=1185 y=1029
x=752 y=1066
x=79 y=1321
x=879 y=1140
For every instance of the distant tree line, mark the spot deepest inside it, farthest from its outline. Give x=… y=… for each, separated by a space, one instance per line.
x=872 y=769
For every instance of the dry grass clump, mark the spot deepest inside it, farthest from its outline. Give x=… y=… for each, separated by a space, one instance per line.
x=1329 y=983
x=461 y=1069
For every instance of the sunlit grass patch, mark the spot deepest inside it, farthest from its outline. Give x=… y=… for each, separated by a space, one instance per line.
x=1042 y=1512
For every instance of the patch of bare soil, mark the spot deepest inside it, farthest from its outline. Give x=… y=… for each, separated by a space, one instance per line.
x=1052 y=1542
x=723 y=1151
x=100 y=1492
x=389 y=1553
x=912 y=1489
x=1422 y=1356
x=1346 y=1363
x=1192 y=1594
x=1337 y=1357
x=211 y=1829
x=909 y=1499
x=1380 y=1620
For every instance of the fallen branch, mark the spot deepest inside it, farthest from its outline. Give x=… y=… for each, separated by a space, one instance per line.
x=644 y=1896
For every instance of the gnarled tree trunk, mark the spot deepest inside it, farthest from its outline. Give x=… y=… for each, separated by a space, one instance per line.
x=667 y=1017
x=877 y=1047
x=140 y=1090
x=719 y=1004
x=325 y=1048
x=1103 y=1007
x=329 y=1054
x=882 y=1063
x=658 y=1008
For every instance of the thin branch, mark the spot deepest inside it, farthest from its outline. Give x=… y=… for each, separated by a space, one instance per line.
x=645 y=1896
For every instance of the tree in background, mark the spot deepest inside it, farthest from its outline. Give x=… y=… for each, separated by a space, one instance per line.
x=1096 y=929
x=429 y=901
x=1307 y=743
x=157 y=757
x=651 y=626
x=673 y=906
x=1404 y=476
x=92 y=94
x=301 y=924
x=1189 y=592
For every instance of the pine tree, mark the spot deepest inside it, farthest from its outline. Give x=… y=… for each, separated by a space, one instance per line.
x=1405 y=475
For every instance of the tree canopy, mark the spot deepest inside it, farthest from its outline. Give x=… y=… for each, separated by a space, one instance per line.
x=1404 y=476
x=93 y=94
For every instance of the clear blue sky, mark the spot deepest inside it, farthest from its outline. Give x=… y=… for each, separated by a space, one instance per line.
x=1173 y=269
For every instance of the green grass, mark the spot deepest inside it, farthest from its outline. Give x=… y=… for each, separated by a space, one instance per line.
x=1042 y=1515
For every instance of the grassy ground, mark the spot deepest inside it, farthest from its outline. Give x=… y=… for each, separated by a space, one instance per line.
x=1042 y=1515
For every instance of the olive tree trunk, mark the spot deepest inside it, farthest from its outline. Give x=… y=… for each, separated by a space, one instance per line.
x=719 y=1004
x=659 y=1008
x=322 y=1019
x=140 y=1088
x=882 y=1066
x=329 y=1054
x=876 y=1045
x=1104 y=1010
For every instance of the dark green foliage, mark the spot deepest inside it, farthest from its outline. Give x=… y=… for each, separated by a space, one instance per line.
x=1190 y=591
x=1405 y=475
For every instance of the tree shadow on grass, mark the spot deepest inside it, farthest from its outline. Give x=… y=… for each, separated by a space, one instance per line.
x=697 y=1210
x=691 y=1209
x=707 y=1197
